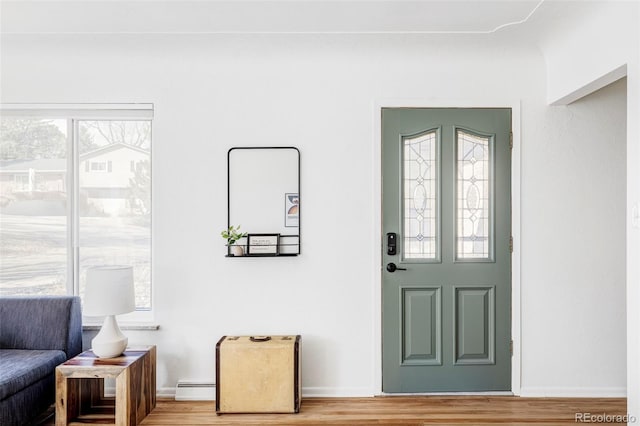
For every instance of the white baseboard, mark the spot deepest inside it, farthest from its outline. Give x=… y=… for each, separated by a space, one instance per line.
x=166 y=393
x=573 y=392
x=196 y=390
x=329 y=392
x=206 y=391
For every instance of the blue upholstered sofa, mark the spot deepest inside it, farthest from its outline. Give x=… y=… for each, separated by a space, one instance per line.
x=36 y=334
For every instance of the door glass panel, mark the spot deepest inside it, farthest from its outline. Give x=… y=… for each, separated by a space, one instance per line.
x=473 y=196
x=420 y=196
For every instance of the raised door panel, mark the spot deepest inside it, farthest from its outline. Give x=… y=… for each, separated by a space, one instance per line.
x=421 y=332
x=474 y=328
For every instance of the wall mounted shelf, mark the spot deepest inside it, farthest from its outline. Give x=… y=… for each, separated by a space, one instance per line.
x=263 y=197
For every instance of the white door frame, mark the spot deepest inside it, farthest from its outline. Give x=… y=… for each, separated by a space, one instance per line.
x=376 y=253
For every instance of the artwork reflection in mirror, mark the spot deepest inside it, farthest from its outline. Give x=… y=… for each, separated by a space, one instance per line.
x=264 y=194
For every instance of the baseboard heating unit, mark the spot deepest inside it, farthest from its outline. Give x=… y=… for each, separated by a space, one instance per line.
x=195 y=390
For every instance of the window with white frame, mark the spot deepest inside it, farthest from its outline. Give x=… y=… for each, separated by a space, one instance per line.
x=59 y=217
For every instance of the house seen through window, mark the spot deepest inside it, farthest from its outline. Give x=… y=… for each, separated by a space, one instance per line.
x=60 y=215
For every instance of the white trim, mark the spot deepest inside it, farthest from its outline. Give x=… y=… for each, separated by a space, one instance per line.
x=166 y=392
x=91 y=325
x=204 y=394
x=142 y=319
x=82 y=107
x=79 y=111
x=195 y=394
x=335 y=392
x=74 y=191
x=72 y=179
x=402 y=23
x=376 y=252
x=207 y=392
x=592 y=86
x=573 y=392
x=516 y=255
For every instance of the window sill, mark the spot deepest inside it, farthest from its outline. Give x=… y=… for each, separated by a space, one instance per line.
x=137 y=326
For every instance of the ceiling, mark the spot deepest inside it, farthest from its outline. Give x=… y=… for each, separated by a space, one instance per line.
x=263 y=16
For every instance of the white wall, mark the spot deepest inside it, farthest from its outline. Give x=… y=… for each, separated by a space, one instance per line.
x=318 y=93
x=573 y=255
x=595 y=43
x=590 y=49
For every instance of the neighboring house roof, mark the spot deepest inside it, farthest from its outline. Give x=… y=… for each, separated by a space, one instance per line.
x=41 y=165
x=109 y=148
x=60 y=164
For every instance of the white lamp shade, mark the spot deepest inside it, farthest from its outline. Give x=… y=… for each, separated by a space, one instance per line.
x=109 y=291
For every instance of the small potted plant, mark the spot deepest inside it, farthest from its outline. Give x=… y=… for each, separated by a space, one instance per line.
x=232 y=235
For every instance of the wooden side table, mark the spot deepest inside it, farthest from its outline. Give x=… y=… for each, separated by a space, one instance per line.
x=80 y=388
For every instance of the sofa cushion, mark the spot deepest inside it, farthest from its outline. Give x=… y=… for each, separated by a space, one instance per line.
x=19 y=368
x=42 y=323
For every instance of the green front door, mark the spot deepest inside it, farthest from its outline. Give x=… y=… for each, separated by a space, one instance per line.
x=446 y=261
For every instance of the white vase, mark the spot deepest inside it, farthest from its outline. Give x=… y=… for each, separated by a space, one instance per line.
x=237 y=250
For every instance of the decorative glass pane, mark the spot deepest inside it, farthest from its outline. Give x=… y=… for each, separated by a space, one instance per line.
x=420 y=196
x=473 y=196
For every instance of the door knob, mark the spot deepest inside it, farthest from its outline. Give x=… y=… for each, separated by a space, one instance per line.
x=391 y=267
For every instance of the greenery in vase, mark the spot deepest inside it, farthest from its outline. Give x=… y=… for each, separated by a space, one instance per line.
x=232 y=235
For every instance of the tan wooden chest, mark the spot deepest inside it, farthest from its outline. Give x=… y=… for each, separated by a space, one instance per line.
x=258 y=374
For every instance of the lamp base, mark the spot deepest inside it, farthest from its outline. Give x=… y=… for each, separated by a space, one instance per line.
x=109 y=342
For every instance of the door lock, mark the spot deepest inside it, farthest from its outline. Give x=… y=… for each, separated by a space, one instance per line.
x=391 y=243
x=391 y=267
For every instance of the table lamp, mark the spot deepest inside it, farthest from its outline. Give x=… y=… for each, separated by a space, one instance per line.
x=109 y=291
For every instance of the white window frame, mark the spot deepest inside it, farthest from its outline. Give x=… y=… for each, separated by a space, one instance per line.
x=74 y=113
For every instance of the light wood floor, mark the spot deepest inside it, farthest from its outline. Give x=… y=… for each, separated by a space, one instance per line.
x=415 y=410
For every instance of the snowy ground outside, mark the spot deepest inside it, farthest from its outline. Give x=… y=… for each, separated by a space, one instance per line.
x=33 y=252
